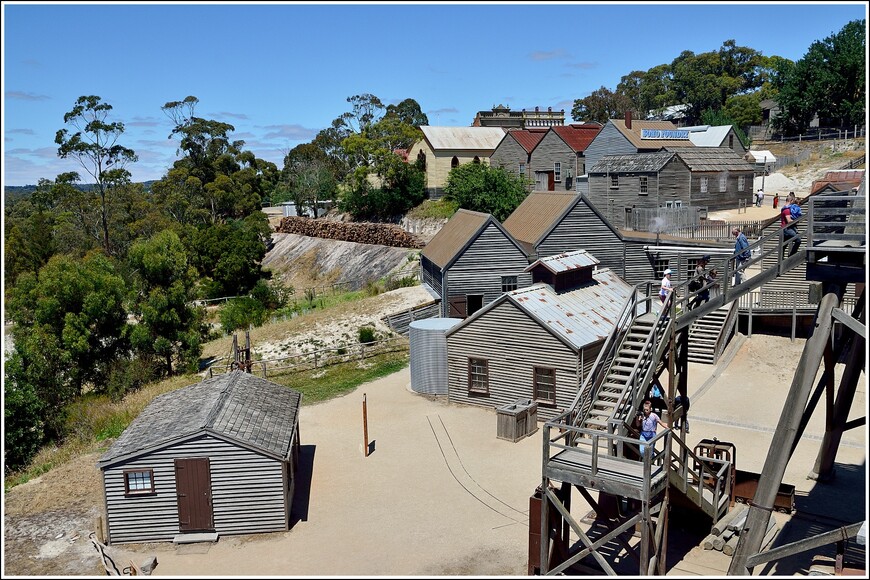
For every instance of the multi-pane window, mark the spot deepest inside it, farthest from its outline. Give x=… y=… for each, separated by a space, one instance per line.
x=522 y=169
x=723 y=183
x=139 y=481
x=545 y=385
x=741 y=183
x=508 y=283
x=478 y=375
x=614 y=182
x=704 y=181
x=557 y=171
x=660 y=266
x=644 y=184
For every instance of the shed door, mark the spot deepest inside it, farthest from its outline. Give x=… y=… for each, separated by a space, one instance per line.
x=457 y=307
x=193 y=485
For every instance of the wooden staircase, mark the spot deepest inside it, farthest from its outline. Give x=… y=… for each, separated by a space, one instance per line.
x=708 y=335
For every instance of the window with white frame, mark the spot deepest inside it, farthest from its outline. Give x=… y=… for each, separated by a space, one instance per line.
x=614 y=181
x=644 y=184
x=557 y=171
x=522 y=169
x=723 y=183
x=704 y=181
x=741 y=183
x=138 y=481
x=478 y=376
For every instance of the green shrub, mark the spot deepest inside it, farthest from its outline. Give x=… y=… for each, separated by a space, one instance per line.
x=242 y=313
x=366 y=334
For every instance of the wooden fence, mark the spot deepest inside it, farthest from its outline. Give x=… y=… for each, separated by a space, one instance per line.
x=400 y=323
x=315 y=359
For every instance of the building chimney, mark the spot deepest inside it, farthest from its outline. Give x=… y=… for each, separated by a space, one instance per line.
x=628 y=119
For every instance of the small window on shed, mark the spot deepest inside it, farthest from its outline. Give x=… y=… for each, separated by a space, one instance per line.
x=704 y=181
x=644 y=184
x=138 y=481
x=508 y=283
x=614 y=182
x=545 y=385
x=661 y=264
x=557 y=171
x=723 y=183
x=741 y=183
x=478 y=376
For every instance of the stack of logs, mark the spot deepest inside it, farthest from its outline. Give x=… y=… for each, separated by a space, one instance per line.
x=362 y=232
x=726 y=532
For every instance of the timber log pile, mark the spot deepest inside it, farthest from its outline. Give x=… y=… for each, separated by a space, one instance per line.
x=361 y=233
x=726 y=532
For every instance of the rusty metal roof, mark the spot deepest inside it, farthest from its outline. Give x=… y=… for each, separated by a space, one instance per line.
x=578 y=137
x=455 y=235
x=633 y=134
x=631 y=163
x=566 y=261
x=578 y=317
x=536 y=215
x=528 y=138
x=713 y=159
x=483 y=139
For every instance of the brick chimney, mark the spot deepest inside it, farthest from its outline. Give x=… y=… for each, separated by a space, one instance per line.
x=628 y=119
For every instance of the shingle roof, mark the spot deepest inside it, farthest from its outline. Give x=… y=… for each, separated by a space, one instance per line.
x=240 y=406
x=528 y=138
x=578 y=137
x=454 y=235
x=485 y=139
x=633 y=162
x=536 y=215
x=633 y=134
x=577 y=317
x=713 y=159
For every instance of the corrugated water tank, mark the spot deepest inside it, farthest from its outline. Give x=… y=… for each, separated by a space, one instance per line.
x=428 y=351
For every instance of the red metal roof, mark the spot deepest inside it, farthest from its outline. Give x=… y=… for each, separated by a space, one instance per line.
x=528 y=138
x=578 y=137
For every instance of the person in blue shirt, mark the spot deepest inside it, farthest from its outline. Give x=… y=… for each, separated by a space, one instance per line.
x=741 y=254
x=787 y=215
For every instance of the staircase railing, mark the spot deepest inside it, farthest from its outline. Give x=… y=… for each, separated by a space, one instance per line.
x=727 y=327
x=689 y=471
x=586 y=395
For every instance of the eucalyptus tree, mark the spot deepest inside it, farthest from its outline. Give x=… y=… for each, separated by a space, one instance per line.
x=94 y=144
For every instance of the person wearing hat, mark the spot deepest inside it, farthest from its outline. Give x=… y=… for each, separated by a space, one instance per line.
x=703 y=277
x=666 y=285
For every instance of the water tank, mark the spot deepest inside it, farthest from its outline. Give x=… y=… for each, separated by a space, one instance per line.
x=428 y=346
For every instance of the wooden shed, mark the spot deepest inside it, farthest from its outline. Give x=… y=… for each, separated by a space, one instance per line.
x=218 y=457
x=513 y=153
x=470 y=262
x=559 y=157
x=537 y=342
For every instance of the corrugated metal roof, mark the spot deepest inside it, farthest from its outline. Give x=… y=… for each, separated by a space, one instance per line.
x=714 y=159
x=565 y=262
x=844 y=175
x=633 y=134
x=253 y=411
x=536 y=215
x=634 y=162
x=760 y=156
x=581 y=316
x=454 y=235
x=711 y=137
x=483 y=139
x=528 y=138
x=578 y=137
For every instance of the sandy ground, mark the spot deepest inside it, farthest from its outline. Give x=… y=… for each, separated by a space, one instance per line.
x=440 y=494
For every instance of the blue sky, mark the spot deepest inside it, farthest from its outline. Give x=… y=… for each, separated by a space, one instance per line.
x=281 y=72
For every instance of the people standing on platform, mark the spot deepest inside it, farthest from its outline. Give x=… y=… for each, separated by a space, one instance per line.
x=759 y=198
x=790 y=212
x=742 y=254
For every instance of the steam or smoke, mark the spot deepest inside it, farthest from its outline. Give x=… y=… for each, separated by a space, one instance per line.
x=657 y=225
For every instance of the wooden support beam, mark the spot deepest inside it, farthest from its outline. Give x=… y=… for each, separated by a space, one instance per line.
x=781 y=445
x=550 y=497
x=803 y=545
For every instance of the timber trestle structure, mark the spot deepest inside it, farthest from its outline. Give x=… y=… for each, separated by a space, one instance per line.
x=593 y=447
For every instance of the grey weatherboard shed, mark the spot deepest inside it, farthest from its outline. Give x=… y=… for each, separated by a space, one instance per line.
x=532 y=329
x=216 y=456
x=466 y=263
